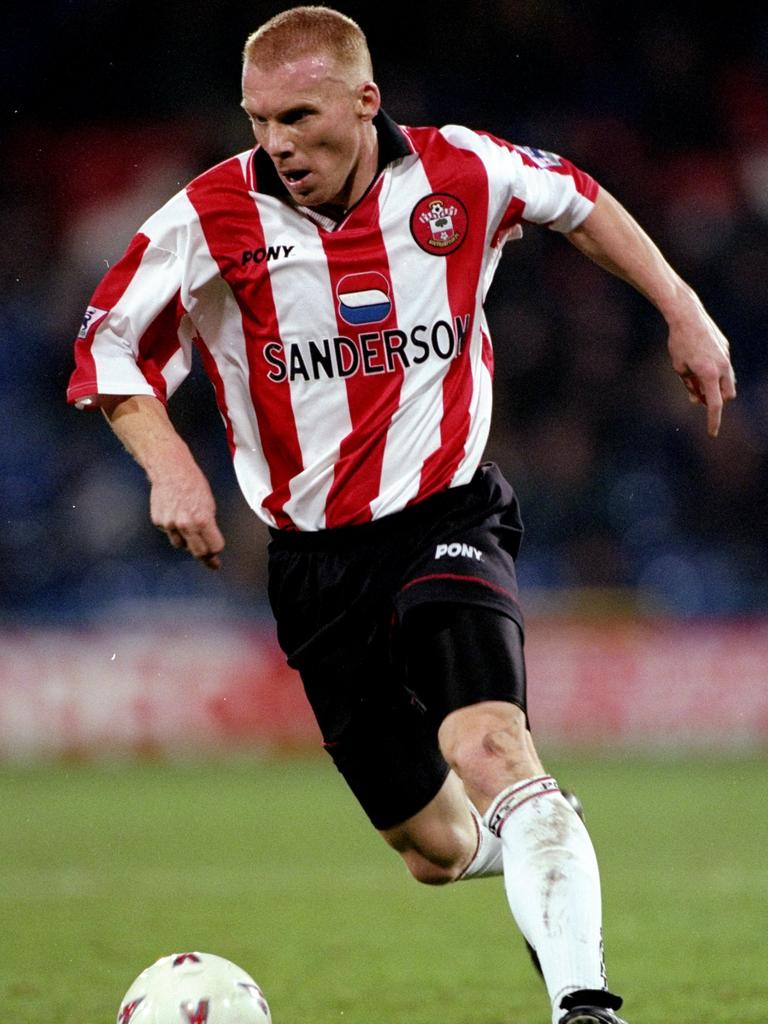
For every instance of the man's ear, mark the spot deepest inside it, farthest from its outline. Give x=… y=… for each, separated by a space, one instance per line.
x=368 y=101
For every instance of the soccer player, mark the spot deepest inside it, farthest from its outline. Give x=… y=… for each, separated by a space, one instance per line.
x=332 y=279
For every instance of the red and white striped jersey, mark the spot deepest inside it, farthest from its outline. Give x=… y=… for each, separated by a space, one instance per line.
x=352 y=363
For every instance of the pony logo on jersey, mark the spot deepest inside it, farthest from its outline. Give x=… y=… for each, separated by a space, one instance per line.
x=439 y=223
x=92 y=316
x=364 y=298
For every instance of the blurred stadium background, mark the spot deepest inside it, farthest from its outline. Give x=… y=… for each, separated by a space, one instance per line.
x=644 y=571
x=634 y=518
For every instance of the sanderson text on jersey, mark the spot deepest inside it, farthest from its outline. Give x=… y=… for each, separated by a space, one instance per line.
x=370 y=352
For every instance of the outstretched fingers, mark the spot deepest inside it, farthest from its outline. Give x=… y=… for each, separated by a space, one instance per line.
x=204 y=541
x=182 y=506
x=700 y=356
x=711 y=385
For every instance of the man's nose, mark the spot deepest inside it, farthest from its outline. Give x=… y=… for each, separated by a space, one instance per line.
x=277 y=141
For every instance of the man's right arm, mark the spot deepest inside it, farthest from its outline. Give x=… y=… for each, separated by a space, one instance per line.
x=181 y=500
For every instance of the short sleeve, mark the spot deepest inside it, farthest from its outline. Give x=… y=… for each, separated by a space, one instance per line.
x=133 y=339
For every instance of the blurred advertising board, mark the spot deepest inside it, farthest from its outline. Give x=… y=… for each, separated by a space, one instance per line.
x=195 y=691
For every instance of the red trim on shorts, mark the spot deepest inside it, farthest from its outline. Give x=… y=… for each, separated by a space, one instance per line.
x=458 y=576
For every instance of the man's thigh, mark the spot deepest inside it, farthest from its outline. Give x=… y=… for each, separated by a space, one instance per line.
x=457 y=655
x=380 y=708
x=379 y=736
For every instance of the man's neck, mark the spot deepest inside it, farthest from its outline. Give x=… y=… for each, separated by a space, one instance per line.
x=363 y=177
x=391 y=144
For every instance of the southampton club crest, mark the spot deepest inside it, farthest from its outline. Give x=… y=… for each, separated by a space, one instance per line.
x=439 y=223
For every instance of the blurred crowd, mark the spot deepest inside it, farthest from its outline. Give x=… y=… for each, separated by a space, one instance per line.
x=113 y=107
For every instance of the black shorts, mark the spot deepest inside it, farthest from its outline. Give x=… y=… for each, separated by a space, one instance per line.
x=343 y=599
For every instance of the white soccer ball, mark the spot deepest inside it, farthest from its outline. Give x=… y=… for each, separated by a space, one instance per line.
x=194 y=988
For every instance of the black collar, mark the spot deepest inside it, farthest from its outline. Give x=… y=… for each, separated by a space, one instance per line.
x=393 y=145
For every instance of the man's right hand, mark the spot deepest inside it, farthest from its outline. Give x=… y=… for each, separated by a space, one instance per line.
x=181 y=505
x=181 y=502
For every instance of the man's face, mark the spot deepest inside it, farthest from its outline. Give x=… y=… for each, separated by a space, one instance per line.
x=315 y=124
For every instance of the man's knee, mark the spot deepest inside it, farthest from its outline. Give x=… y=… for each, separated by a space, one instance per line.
x=491 y=730
x=438 y=842
x=488 y=746
x=431 y=872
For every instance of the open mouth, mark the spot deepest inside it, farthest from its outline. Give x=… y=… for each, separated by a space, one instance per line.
x=294 y=177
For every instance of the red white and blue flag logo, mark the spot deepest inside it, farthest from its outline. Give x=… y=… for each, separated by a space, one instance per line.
x=364 y=298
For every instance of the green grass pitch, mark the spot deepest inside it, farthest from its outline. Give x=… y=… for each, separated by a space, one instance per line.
x=271 y=864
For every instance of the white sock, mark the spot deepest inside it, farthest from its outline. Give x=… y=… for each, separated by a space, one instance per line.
x=552 y=883
x=488 y=857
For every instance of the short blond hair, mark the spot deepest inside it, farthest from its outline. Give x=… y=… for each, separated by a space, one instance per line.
x=304 y=30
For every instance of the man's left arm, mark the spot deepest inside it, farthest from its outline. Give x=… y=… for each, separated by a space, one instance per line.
x=699 y=351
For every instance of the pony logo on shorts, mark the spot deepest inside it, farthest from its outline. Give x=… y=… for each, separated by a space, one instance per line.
x=439 y=223
x=456 y=550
